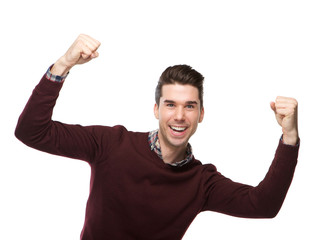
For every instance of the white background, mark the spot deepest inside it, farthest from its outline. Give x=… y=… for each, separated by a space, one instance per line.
x=249 y=52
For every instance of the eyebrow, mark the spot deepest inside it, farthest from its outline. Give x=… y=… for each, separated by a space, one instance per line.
x=192 y=102
x=187 y=102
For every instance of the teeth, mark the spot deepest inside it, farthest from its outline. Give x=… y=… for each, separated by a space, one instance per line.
x=178 y=129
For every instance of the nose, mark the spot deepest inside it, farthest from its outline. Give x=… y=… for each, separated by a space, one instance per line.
x=179 y=114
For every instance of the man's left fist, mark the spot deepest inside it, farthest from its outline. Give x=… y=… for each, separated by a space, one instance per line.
x=285 y=110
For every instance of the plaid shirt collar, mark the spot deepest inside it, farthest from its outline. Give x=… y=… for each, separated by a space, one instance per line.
x=156 y=147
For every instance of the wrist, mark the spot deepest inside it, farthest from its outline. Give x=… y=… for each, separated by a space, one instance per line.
x=60 y=68
x=290 y=138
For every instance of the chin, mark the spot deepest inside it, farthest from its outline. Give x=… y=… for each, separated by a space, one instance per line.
x=178 y=143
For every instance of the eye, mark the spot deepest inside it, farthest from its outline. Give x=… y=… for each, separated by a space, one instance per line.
x=190 y=106
x=170 y=105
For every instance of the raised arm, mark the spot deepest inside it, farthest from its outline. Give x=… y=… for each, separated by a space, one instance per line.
x=266 y=199
x=35 y=126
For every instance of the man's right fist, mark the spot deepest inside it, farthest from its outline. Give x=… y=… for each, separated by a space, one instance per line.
x=82 y=50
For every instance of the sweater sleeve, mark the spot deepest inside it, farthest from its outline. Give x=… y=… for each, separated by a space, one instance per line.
x=36 y=128
x=262 y=201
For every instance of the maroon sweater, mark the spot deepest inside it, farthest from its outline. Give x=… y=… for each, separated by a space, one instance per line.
x=133 y=194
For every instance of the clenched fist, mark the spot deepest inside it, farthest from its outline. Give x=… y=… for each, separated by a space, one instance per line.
x=82 y=50
x=285 y=110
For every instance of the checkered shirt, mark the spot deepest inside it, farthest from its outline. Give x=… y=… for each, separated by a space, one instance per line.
x=156 y=147
x=55 y=78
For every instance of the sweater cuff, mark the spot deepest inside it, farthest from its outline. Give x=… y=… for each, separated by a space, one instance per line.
x=45 y=86
x=281 y=140
x=288 y=152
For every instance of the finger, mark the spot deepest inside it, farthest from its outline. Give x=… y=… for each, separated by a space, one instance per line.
x=90 y=42
x=286 y=106
x=88 y=38
x=281 y=99
x=285 y=102
x=85 y=51
x=91 y=45
x=286 y=111
x=283 y=105
x=94 y=55
x=272 y=104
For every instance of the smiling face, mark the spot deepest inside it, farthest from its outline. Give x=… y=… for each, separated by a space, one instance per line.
x=179 y=113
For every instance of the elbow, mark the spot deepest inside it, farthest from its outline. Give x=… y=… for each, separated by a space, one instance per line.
x=269 y=206
x=19 y=133
x=271 y=212
x=22 y=132
x=271 y=215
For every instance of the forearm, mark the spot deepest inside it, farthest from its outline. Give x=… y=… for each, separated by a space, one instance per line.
x=262 y=201
x=269 y=195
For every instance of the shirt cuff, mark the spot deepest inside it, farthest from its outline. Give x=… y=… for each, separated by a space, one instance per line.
x=297 y=144
x=55 y=78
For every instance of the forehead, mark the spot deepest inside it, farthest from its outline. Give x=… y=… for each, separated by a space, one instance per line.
x=180 y=92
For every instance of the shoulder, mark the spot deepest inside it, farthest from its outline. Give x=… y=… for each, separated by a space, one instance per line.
x=117 y=139
x=117 y=132
x=205 y=170
x=203 y=167
x=208 y=173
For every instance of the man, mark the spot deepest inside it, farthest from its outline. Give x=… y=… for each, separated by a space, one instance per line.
x=149 y=185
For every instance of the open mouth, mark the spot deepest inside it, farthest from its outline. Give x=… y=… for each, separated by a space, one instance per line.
x=178 y=129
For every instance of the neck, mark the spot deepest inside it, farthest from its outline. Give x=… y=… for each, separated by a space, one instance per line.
x=172 y=154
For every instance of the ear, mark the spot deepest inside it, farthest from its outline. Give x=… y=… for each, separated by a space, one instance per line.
x=202 y=113
x=156 y=111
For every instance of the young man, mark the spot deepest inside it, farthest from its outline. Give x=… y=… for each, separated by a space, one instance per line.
x=149 y=185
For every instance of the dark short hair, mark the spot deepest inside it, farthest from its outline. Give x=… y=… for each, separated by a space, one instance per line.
x=181 y=74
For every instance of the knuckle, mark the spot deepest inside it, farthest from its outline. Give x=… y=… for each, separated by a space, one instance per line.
x=294 y=102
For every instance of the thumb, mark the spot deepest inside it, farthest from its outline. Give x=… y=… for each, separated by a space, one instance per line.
x=273 y=106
